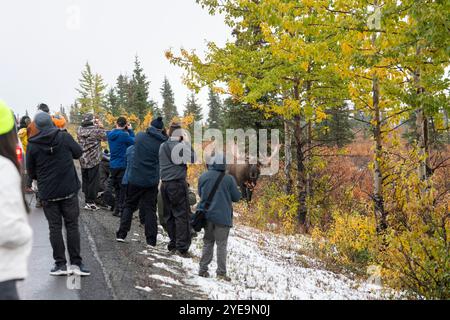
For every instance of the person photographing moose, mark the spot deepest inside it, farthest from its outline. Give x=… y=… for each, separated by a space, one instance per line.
x=119 y=140
x=143 y=180
x=217 y=190
x=174 y=155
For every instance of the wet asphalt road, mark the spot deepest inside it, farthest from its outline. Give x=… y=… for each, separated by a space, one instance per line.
x=41 y=286
x=116 y=269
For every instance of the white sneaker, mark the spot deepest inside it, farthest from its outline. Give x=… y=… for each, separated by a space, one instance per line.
x=120 y=240
x=81 y=271
x=91 y=207
x=60 y=271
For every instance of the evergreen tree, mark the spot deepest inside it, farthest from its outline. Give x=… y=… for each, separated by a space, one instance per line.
x=249 y=117
x=122 y=93
x=215 y=120
x=155 y=110
x=193 y=108
x=62 y=111
x=139 y=91
x=169 y=110
x=92 y=91
x=75 y=114
x=112 y=103
x=336 y=129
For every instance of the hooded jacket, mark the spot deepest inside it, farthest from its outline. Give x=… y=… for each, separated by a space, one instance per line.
x=90 y=138
x=119 y=140
x=221 y=209
x=169 y=170
x=50 y=161
x=145 y=166
x=15 y=232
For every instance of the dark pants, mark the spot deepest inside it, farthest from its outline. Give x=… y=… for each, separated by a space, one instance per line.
x=69 y=211
x=90 y=179
x=145 y=199
x=8 y=290
x=141 y=211
x=119 y=189
x=28 y=181
x=177 y=214
x=103 y=173
x=108 y=197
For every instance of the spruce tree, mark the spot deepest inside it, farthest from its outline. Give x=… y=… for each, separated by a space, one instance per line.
x=336 y=129
x=215 y=111
x=122 y=92
x=139 y=90
x=112 y=102
x=75 y=114
x=193 y=108
x=62 y=111
x=154 y=109
x=169 y=110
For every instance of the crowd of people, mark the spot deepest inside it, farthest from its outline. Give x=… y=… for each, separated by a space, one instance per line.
x=120 y=171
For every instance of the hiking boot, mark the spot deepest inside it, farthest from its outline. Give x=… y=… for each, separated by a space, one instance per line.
x=60 y=271
x=100 y=203
x=204 y=274
x=223 y=277
x=80 y=270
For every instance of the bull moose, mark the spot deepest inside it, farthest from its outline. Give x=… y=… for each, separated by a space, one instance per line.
x=248 y=173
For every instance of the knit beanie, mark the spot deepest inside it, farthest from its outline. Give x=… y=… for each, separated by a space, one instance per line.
x=6 y=118
x=158 y=123
x=43 y=121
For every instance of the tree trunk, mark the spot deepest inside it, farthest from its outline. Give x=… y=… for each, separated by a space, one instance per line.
x=301 y=173
x=378 y=199
x=421 y=127
x=288 y=157
x=447 y=129
x=301 y=168
x=422 y=140
x=308 y=173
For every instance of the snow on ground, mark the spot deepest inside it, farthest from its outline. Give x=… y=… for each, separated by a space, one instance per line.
x=146 y=289
x=268 y=266
x=166 y=280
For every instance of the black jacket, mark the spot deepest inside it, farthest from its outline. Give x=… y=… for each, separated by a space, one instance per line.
x=50 y=157
x=145 y=167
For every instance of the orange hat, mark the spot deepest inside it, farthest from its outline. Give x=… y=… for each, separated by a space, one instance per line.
x=59 y=121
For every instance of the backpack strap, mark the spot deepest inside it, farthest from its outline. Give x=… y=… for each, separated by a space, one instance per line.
x=214 y=190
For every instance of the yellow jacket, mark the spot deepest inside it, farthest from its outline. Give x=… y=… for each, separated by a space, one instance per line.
x=23 y=136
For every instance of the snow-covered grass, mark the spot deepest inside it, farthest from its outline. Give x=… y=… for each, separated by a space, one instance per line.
x=268 y=266
x=146 y=289
x=167 y=280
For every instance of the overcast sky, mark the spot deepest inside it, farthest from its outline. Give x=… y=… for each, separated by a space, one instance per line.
x=43 y=48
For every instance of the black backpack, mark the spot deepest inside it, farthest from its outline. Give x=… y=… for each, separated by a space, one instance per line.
x=198 y=220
